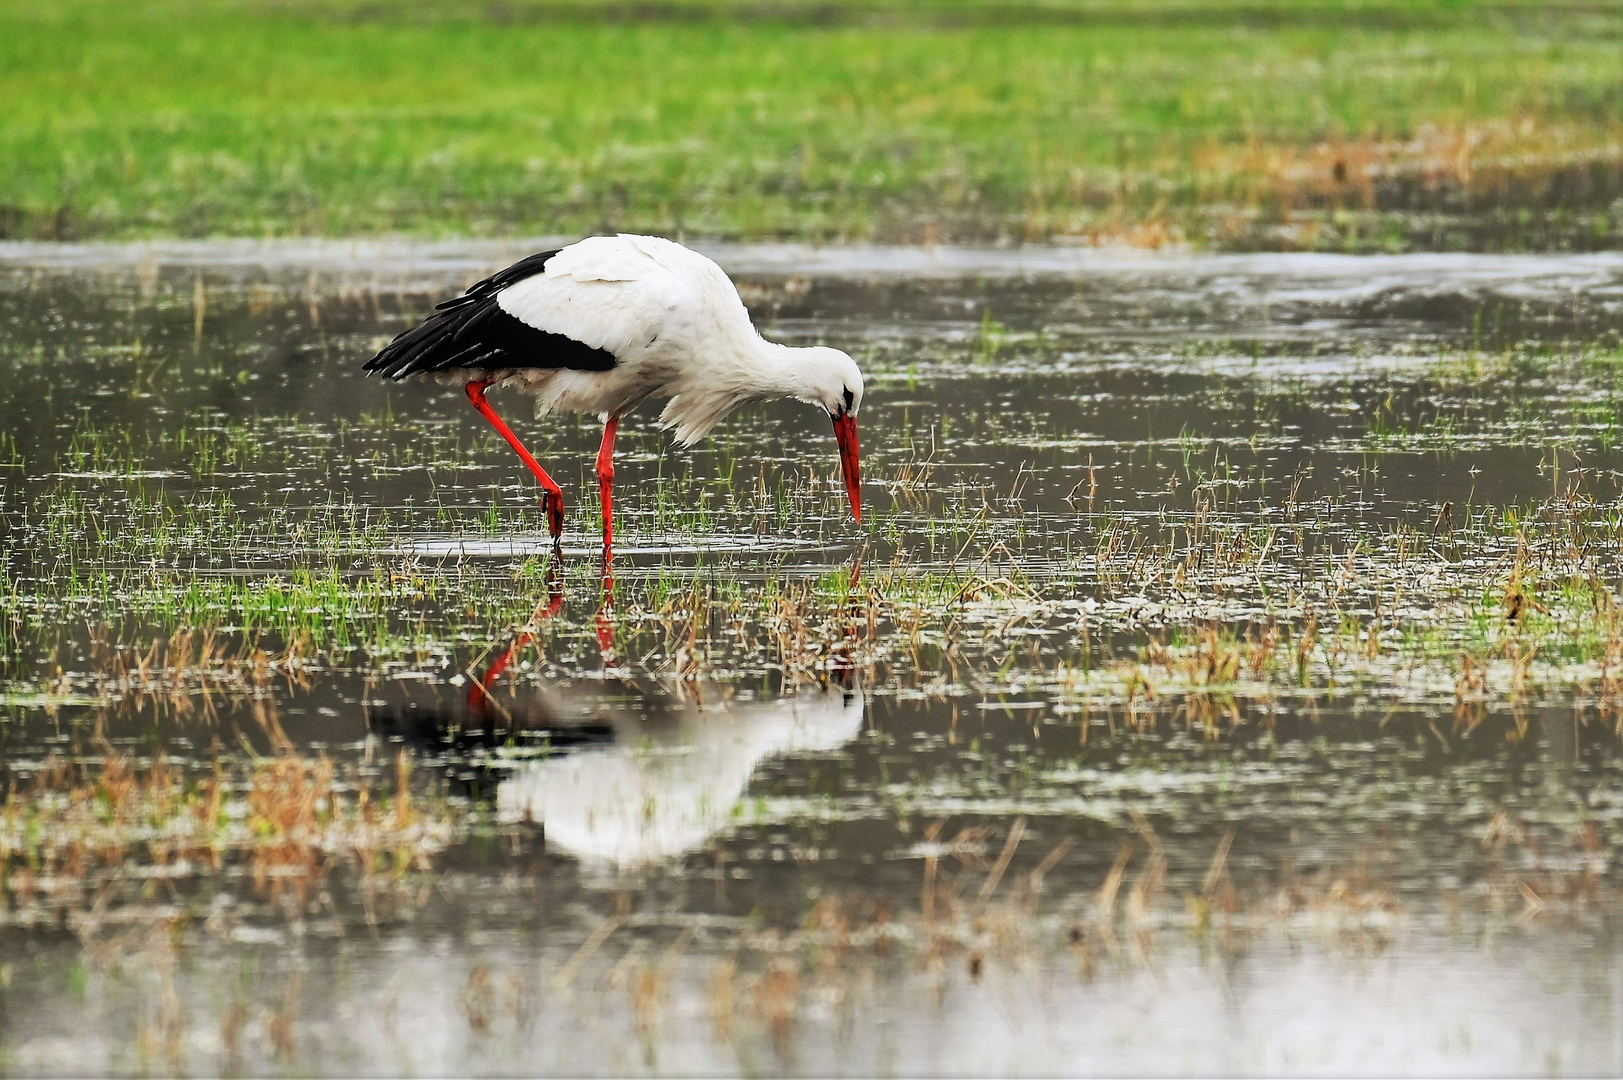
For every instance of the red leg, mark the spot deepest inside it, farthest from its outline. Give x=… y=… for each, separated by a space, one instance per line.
x=605 y=486
x=552 y=499
x=605 y=480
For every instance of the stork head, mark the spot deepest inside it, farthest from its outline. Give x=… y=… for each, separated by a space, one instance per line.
x=835 y=383
x=830 y=379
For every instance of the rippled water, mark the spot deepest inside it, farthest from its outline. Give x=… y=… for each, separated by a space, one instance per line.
x=995 y=806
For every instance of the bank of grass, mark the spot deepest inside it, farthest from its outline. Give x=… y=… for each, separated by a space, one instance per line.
x=1264 y=124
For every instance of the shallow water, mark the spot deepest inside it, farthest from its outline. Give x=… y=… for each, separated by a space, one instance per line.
x=1227 y=684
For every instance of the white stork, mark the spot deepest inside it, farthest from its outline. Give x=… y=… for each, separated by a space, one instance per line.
x=602 y=325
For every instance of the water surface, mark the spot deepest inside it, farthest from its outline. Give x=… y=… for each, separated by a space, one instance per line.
x=1222 y=678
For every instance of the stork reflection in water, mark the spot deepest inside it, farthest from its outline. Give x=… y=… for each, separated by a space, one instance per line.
x=674 y=773
x=637 y=771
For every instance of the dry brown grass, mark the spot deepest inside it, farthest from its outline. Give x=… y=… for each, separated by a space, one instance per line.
x=70 y=837
x=1484 y=161
x=976 y=916
x=182 y=674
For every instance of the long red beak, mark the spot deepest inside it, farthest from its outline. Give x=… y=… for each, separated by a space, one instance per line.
x=845 y=430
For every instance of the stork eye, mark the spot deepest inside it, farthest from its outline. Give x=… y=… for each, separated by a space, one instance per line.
x=849 y=398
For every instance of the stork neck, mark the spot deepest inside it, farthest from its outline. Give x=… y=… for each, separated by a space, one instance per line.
x=784 y=371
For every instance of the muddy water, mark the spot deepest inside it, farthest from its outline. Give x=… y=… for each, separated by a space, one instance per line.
x=685 y=837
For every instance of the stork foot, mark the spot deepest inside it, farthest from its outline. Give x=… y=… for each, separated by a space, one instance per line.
x=552 y=505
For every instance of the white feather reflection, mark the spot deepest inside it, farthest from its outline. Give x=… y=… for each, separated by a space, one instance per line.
x=672 y=781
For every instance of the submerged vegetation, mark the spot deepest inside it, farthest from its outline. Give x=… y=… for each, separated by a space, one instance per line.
x=1481 y=603
x=1367 y=126
x=1160 y=656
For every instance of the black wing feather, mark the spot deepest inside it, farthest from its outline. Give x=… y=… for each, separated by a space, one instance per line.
x=472 y=331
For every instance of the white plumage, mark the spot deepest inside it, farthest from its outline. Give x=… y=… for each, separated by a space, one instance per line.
x=609 y=322
x=677 y=329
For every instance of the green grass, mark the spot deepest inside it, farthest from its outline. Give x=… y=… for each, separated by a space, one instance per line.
x=1199 y=121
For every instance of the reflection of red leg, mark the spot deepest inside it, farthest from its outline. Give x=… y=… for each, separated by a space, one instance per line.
x=479 y=692
x=552 y=499
x=605 y=481
x=605 y=610
x=844 y=659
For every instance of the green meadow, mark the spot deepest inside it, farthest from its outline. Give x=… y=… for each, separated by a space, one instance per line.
x=1335 y=126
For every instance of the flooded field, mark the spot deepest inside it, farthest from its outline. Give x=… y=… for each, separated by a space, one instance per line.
x=1226 y=676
